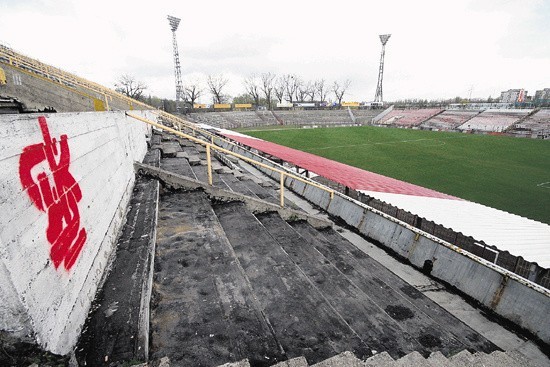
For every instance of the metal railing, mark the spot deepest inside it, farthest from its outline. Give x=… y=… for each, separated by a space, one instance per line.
x=7 y=55
x=211 y=146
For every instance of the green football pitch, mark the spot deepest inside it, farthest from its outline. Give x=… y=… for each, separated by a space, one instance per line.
x=511 y=174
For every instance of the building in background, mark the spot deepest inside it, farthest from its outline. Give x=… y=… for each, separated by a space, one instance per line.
x=513 y=96
x=542 y=98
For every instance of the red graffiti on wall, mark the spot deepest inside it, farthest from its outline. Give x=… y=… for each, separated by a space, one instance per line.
x=59 y=200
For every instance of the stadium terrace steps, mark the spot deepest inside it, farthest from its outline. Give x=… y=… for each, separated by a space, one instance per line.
x=408 y=118
x=449 y=120
x=413 y=359
x=232 y=285
x=117 y=327
x=242 y=119
x=537 y=123
x=494 y=120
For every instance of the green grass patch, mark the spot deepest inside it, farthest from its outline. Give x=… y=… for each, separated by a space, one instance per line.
x=500 y=172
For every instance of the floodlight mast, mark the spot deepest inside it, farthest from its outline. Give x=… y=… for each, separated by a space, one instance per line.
x=174 y=23
x=378 y=98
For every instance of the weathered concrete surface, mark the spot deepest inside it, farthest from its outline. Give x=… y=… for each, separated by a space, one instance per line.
x=303 y=321
x=117 y=329
x=38 y=92
x=92 y=172
x=204 y=313
x=477 y=278
x=255 y=205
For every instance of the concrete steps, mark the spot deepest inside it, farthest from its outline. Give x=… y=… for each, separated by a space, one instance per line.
x=233 y=285
x=117 y=328
x=413 y=359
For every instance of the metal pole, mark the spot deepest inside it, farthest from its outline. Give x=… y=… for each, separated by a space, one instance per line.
x=282 y=189
x=209 y=164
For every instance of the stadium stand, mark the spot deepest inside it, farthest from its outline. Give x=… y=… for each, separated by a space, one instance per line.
x=408 y=118
x=494 y=120
x=315 y=117
x=239 y=119
x=229 y=274
x=448 y=120
x=535 y=125
x=364 y=117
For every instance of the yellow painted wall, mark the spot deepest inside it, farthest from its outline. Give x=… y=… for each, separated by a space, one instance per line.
x=2 y=76
x=99 y=105
x=243 y=105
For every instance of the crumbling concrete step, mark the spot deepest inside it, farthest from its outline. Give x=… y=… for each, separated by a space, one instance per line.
x=523 y=361
x=201 y=173
x=438 y=359
x=413 y=359
x=243 y=363
x=464 y=359
x=237 y=186
x=371 y=324
x=205 y=312
x=302 y=320
x=495 y=359
x=117 y=328
x=344 y=359
x=434 y=327
x=179 y=166
x=294 y=362
x=194 y=160
x=380 y=360
x=170 y=149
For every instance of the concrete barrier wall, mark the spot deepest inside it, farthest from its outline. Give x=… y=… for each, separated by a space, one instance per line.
x=38 y=92
x=522 y=302
x=66 y=181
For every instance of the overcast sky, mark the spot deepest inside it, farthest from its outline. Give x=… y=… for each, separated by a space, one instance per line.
x=438 y=48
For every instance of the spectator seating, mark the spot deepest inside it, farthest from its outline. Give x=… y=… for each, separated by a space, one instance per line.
x=535 y=125
x=494 y=120
x=408 y=118
x=449 y=120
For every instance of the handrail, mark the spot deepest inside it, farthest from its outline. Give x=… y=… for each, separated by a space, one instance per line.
x=63 y=77
x=19 y=60
x=209 y=146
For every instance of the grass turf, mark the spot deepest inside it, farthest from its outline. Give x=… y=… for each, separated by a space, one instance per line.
x=501 y=172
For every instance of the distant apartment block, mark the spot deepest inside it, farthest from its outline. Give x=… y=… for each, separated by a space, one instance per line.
x=513 y=96
x=542 y=97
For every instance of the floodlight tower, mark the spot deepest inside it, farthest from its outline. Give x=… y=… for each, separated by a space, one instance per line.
x=378 y=97
x=174 y=22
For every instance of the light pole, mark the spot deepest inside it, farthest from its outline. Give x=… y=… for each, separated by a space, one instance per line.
x=174 y=23
x=378 y=98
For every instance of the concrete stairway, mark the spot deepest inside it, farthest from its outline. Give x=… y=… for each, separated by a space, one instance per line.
x=413 y=359
x=230 y=284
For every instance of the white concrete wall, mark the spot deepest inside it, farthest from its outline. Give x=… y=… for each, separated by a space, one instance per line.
x=35 y=296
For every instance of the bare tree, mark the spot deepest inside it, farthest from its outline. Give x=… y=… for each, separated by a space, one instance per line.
x=267 y=87
x=340 y=90
x=279 y=88
x=252 y=88
x=129 y=86
x=291 y=84
x=310 y=90
x=321 y=89
x=216 y=83
x=192 y=92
